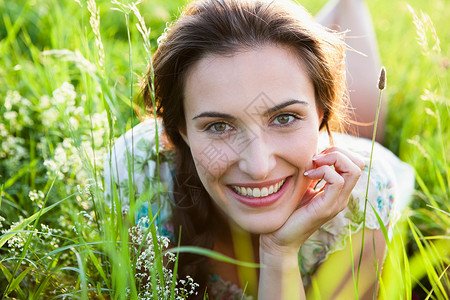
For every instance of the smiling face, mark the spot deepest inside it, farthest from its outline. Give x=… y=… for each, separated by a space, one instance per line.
x=252 y=126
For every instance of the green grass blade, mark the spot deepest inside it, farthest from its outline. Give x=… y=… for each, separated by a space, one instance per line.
x=19 y=174
x=82 y=274
x=355 y=280
x=368 y=181
x=37 y=293
x=427 y=258
x=9 y=277
x=406 y=274
x=41 y=287
x=16 y=281
x=425 y=189
x=383 y=228
x=214 y=255
x=6 y=236
x=30 y=236
x=97 y=265
x=439 y=279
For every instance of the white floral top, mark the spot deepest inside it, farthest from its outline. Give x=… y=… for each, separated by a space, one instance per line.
x=390 y=187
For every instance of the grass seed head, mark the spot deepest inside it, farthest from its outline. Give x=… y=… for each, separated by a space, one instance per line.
x=382 y=79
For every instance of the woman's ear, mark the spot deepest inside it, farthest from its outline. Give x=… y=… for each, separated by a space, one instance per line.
x=183 y=133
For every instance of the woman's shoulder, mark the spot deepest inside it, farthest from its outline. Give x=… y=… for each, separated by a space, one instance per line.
x=142 y=139
x=131 y=168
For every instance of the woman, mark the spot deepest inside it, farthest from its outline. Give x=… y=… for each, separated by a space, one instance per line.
x=244 y=89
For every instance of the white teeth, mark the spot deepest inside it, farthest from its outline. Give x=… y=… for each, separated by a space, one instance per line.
x=243 y=191
x=264 y=192
x=258 y=192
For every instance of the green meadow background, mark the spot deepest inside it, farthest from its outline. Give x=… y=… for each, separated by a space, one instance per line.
x=69 y=74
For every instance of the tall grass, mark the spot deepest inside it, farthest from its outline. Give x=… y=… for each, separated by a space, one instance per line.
x=68 y=89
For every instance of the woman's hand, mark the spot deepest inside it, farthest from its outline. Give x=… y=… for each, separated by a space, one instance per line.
x=280 y=277
x=340 y=171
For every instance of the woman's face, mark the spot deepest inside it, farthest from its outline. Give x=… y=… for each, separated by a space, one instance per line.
x=252 y=126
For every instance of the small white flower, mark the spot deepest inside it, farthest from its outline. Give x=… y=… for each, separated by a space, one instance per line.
x=65 y=95
x=50 y=117
x=36 y=195
x=12 y=98
x=10 y=115
x=44 y=101
x=74 y=122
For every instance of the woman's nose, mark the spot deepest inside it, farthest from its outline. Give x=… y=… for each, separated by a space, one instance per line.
x=257 y=159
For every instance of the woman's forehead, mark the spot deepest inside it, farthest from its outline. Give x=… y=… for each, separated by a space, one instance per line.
x=242 y=77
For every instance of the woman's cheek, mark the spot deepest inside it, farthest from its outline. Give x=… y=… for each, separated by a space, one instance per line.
x=212 y=158
x=300 y=152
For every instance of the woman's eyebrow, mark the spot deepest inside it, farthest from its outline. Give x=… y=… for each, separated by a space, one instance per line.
x=283 y=105
x=214 y=114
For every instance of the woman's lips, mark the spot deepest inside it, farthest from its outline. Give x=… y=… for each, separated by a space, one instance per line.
x=260 y=196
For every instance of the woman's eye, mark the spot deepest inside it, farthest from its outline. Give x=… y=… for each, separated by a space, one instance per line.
x=219 y=127
x=284 y=119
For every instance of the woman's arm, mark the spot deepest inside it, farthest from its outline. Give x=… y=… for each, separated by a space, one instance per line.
x=280 y=277
x=334 y=279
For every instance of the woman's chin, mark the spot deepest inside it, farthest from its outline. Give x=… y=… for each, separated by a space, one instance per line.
x=262 y=227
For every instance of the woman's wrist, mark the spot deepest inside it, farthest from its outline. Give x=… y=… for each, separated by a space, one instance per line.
x=280 y=276
x=282 y=258
x=270 y=249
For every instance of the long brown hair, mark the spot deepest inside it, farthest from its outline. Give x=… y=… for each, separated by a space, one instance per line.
x=223 y=27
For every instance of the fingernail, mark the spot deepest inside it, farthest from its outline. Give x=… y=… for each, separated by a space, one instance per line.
x=316 y=157
x=306 y=173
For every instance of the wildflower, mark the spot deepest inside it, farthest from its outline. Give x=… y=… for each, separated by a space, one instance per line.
x=12 y=146
x=3 y=131
x=36 y=196
x=12 y=98
x=50 y=117
x=146 y=262
x=74 y=122
x=10 y=116
x=53 y=168
x=1 y=221
x=65 y=95
x=44 y=101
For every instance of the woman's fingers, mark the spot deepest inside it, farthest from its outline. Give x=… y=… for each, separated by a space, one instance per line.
x=340 y=170
x=349 y=168
x=355 y=158
x=331 y=196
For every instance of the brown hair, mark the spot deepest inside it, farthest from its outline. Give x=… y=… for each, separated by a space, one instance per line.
x=223 y=27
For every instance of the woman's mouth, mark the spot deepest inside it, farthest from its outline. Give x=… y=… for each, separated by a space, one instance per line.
x=256 y=192
x=260 y=196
